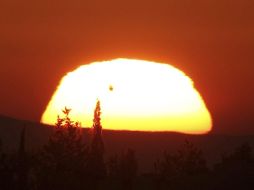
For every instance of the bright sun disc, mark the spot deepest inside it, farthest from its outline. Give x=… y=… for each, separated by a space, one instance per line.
x=135 y=95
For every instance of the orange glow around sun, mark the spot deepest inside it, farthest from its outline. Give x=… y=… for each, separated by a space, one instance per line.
x=134 y=94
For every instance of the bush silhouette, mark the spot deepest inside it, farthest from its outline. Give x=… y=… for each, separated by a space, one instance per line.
x=186 y=163
x=236 y=170
x=63 y=161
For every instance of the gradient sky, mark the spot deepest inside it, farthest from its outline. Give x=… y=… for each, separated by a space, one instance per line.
x=212 y=41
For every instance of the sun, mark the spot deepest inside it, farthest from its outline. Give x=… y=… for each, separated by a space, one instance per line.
x=134 y=94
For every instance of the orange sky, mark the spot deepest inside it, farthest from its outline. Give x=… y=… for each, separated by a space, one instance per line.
x=211 y=41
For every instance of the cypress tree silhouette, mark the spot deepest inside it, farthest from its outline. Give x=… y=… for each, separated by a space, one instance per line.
x=96 y=166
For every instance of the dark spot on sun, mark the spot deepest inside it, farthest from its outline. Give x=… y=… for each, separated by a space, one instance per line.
x=111 y=88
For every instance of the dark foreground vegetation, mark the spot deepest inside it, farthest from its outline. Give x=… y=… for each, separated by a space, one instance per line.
x=68 y=162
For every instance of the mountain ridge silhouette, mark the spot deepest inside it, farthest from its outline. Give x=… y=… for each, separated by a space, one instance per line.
x=149 y=146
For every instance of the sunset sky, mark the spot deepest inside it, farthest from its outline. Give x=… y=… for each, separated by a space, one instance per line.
x=211 y=41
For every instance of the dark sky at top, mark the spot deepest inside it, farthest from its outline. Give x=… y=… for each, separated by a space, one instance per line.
x=212 y=41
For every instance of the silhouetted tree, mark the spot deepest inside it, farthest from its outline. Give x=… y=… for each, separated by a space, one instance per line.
x=22 y=167
x=113 y=167
x=3 y=169
x=187 y=162
x=96 y=165
x=63 y=160
x=128 y=168
x=6 y=170
x=2 y=156
x=236 y=170
x=124 y=168
x=191 y=160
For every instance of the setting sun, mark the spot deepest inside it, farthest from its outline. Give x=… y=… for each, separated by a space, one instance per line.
x=135 y=95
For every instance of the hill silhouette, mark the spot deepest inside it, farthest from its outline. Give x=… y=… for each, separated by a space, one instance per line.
x=148 y=145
